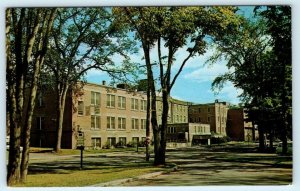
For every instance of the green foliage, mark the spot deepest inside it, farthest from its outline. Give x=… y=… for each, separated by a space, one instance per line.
x=259 y=56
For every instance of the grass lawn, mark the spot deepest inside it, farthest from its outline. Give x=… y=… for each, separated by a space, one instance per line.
x=84 y=177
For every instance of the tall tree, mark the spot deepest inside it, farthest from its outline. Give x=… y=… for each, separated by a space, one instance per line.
x=83 y=38
x=27 y=43
x=278 y=22
x=175 y=28
x=251 y=52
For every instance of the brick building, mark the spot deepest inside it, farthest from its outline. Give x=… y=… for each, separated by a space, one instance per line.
x=237 y=128
x=214 y=114
x=100 y=115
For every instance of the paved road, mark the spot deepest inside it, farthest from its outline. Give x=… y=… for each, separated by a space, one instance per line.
x=199 y=166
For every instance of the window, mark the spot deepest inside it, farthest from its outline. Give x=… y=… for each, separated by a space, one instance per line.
x=96 y=142
x=134 y=123
x=40 y=100
x=184 y=119
x=208 y=110
x=135 y=139
x=111 y=141
x=40 y=123
x=95 y=122
x=121 y=102
x=177 y=118
x=172 y=129
x=122 y=141
x=110 y=100
x=208 y=119
x=111 y=123
x=199 y=119
x=134 y=104
x=80 y=108
x=95 y=98
x=143 y=105
x=191 y=120
x=121 y=123
x=143 y=123
x=180 y=118
x=199 y=110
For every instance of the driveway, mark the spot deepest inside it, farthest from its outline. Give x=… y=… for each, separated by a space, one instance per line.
x=198 y=166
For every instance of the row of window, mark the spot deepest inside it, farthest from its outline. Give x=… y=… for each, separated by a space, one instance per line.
x=112 y=141
x=111 y=123
x=179 y=108
x=198 y=119
x=180 y=119
x=110 y=102
x=199 y=110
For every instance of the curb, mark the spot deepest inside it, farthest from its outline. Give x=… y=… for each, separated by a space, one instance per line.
x=125 y=180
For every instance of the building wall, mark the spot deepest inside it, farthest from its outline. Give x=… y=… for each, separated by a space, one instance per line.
x=83 y=122
x=43 y=130
x=214 y=114
x=238 y=128
x=178 y=111
x=186 y=132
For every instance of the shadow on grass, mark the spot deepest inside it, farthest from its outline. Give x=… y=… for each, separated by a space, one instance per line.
x=89 y=163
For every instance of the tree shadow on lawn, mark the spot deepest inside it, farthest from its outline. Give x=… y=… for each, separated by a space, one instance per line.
x=89 y=163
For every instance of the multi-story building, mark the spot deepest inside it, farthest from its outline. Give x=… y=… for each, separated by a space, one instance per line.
x=238 y=129
x=214 y=114
x=178 y=111
x=100 y=114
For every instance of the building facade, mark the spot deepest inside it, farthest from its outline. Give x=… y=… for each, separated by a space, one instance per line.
x=214 y=114
x=237 y=127
x=178 y=111
x=99 y=116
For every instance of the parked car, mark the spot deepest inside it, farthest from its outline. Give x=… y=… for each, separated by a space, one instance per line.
x=289 y=145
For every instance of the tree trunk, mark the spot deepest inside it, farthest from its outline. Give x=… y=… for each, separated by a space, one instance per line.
x=261 y=137
x=164 y=120
x=60 y=115
x=151 y=87
x=148 y=122
x=28 y=122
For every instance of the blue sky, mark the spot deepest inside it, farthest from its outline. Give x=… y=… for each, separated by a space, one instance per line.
x=194 y=82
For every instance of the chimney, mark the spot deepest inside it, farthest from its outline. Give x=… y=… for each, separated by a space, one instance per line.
x=103 y=82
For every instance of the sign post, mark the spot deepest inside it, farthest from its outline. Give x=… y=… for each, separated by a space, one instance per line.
x=80 y=146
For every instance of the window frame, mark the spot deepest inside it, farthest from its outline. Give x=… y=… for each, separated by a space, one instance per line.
x=109 y=100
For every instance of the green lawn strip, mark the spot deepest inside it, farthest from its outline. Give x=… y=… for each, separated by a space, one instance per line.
x=84 y=177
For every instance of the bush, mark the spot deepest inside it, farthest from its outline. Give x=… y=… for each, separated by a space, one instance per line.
x=220 y=140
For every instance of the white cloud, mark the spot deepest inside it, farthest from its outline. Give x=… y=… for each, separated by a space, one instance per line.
x=95 y=73
x=206 y=73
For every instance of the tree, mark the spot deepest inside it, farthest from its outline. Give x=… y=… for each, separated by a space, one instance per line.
x=278 y=22
x=83 y=39
x=175 y=28
x=27 y=34
x=250 y=51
